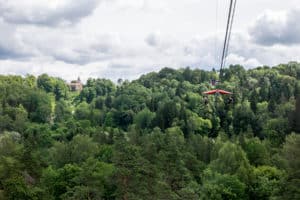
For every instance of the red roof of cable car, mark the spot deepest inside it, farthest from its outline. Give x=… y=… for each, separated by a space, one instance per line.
x=217 y=91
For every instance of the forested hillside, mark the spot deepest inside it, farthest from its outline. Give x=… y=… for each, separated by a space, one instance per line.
x=152 y=138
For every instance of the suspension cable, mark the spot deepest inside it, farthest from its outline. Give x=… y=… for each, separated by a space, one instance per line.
x=216 y=30
x=230 y=28
x=227 y=34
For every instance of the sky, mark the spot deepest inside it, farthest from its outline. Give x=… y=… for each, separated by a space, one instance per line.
x=127 y=38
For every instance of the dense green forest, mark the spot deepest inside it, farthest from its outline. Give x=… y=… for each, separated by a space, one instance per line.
x=152 y=138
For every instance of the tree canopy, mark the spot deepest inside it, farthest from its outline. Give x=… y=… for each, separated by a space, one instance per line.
x=156 y=137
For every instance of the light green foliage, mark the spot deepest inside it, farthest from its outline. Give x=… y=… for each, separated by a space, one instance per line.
x=194 y=100
x=267 y=182
x=82 y=111
x=231 y=159
x=131 y=96
x=144 y=119
x=96 y=87
x=217 y=186
x=198 y=125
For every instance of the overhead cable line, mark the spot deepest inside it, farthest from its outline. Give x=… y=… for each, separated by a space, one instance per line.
x=216 y=30
x=231 y=12
x=229 y=35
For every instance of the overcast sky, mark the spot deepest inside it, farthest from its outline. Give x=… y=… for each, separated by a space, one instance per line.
x=126 y=38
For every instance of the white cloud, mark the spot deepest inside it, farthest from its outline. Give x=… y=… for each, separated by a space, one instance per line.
x=72 y=46
x=130 y=61
x=45 y=12
x=47 y=65
x=126 y=38
x=281 y=27
x=246 y=62
x=11 y=43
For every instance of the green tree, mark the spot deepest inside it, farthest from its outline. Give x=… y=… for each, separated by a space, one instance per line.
x=77 y=151
x=62 y=111
x=257 y=152
x=82 y=111
x=242 y=117
x=38 y=106
x=267 y=182
x=134 y=176
x=276 y=129
x=144 y=119
x=60 y=89
x=231 y=159
x=92 y=182
x=199 y=125
x=296 y=116
x=217 y=186
x=56 y=182
x=166 y=114
x=291 y=153
x=46 y=83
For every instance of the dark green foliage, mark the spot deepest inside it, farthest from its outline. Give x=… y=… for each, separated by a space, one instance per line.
x=257 y=152
x=242 y=117
x=38 y=106
x=123 y=118
x=45 y=82
x=56 y=86
x=290 y=154
x=95 y=88
x=62 y=111
x=296 y=116
x=166 y=114
x=152 y=138
x=75 y=151
x=60 y=89
x=82 y=111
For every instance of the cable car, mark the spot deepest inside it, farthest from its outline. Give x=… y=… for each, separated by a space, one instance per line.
x=217 y=91
x=230 y=18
